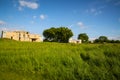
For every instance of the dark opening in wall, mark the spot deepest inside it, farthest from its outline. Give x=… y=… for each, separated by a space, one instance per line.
x=33 y=40
x=11 y=37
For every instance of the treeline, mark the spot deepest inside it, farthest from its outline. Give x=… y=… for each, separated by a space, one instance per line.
x=63 y=34
x=104 y=39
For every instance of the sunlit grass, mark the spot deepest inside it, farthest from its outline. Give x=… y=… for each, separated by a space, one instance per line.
x=58 y=61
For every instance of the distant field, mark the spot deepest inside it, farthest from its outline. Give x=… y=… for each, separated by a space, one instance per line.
x=58 y=61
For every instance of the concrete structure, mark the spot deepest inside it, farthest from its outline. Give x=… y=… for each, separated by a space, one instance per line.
x=21 y=36
x=75 y=41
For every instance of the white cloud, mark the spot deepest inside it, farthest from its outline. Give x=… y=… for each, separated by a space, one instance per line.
x=80 y=24
x=95 y=11
x=71 y=25
x=32 y=5
x=42 y=16
x=2 y=22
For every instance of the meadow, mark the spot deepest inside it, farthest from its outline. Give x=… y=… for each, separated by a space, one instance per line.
x=58 y=61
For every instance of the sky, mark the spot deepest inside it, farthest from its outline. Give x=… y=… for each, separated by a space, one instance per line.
x=93 y=17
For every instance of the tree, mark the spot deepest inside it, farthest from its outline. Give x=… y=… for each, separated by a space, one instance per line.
x=61 y=34
x=103 y=39
x=114 y=41
x=96 y=41
x=49 y=34
x=84 y=37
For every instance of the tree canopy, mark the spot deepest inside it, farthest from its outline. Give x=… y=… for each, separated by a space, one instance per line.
x=101 y=39
x=84 y=37
x=61 y=34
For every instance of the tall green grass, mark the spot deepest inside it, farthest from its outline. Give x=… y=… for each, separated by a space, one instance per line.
x=58 y=61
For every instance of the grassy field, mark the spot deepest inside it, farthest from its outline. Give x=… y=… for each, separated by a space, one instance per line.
x=58 y=61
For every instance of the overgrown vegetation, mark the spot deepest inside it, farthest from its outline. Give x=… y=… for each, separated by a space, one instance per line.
x=58 y=61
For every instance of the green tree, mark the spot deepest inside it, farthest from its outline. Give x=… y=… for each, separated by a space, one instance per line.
x=84 y=37
x=61 y=34
x=50 y=34
x=103 y=39
x=96 y=41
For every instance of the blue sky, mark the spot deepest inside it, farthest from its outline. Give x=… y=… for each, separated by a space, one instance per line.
x=94 y=17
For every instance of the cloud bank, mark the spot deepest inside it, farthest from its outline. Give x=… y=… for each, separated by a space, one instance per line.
x=28 y=4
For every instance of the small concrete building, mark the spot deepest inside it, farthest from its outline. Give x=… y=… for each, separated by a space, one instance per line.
x=21 y=36
x=75 y=41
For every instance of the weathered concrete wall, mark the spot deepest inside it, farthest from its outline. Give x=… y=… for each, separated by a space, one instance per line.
x=75 y=41
x=21 y=36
